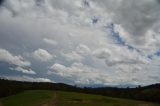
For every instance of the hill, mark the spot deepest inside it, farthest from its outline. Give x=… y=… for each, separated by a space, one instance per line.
x=148 y=93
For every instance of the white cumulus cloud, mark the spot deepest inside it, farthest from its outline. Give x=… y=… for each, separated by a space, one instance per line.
x=6 y=56
x=24 y=70
x=50 y=41
x=42 y=55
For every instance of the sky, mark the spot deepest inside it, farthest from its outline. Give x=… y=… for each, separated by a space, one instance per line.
x=81 y=42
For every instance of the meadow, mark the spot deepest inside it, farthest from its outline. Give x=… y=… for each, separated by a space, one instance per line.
x=61 y=98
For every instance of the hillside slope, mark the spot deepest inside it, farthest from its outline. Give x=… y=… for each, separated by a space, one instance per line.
x=149 y=93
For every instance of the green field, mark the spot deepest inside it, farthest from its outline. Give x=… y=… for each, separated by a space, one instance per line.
x=59 y=98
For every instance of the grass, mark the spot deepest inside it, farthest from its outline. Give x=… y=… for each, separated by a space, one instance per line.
x=59 y=98
x=27 y=98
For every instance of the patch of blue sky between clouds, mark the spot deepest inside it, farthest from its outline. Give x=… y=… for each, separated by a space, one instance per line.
x=157 y=53
x=118 y=39
x=95 y=20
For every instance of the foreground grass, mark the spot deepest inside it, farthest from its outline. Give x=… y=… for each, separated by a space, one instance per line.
x=58 y=98
x=27 y=98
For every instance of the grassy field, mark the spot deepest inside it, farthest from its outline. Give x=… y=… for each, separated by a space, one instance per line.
x=58 y=98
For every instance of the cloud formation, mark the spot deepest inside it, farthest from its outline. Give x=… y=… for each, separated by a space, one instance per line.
x=81 y=41
x=21 y=64
x=27 y=71
x=6 y=56
x=50 y=41
x=79 y=73
x=27 y=78
x=42 y=55
x=129 y=57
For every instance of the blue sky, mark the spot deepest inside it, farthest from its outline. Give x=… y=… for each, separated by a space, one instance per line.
x=82 y=42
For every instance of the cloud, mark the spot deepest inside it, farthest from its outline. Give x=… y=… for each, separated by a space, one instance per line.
x=111 y=58
x=78 y=34
x=139 y=15
x=24 y=70
x=1 y=1
x=83 y=49
x=50 y=41
x=73 y=56
x=21 y=64
x=102 y=53
x=6 y=56
x=27 y=78
x=144 y=15
x=136 y=19
x=42 y=55
x=78 y=54
x=78 y=73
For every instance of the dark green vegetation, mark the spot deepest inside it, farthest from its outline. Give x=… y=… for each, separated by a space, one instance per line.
x=27 y=98
x=60 y=98
x=149 y=93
